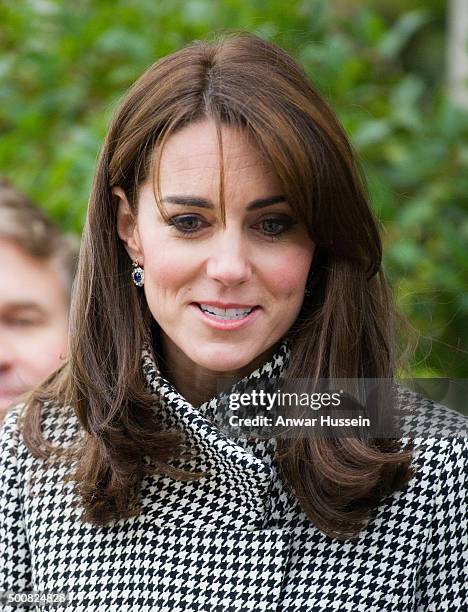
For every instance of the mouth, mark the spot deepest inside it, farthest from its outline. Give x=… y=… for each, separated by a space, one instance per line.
x=226 y=317
x=228 y=313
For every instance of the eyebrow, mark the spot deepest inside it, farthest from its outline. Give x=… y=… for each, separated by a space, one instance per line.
x=189 y=200
x=25 y=306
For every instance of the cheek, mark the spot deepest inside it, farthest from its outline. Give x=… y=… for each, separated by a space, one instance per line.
x=288 y=274
x=168 y=278
x=166 y=259
x=44 y=351
x=166 y=272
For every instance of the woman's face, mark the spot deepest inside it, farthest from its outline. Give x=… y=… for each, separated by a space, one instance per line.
x=255 y=267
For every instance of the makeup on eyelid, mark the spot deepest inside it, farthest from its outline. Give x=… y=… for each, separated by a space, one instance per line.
x=283 y=220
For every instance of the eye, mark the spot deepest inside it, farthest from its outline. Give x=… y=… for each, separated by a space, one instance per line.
x=274 y=227
x=270 y=227
x=22 y=322
x=186 y=224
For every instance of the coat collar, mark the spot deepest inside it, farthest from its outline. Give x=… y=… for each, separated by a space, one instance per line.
x=168 y=395
x=241 y=469
x=201 y=424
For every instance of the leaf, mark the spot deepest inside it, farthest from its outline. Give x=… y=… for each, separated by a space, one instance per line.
x=395 y=39
x=372 y=132
x=404 y=101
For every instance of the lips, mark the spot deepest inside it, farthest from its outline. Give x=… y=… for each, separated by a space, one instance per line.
x=228 y=314
x=225 y=304
x=226 y=317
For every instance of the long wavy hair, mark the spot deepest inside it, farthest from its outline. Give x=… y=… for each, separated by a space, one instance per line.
x=348 y=328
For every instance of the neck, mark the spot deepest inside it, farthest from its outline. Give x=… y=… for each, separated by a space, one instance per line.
x=194 y=382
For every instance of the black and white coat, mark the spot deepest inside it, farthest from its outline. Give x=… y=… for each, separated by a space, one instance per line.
x=235 y=540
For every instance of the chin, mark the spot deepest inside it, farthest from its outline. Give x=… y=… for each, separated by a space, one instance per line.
x=223 y=358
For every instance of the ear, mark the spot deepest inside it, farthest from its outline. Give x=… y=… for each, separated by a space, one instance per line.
x=127 y=227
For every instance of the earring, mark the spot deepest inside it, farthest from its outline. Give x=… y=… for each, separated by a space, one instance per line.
x=138 y=274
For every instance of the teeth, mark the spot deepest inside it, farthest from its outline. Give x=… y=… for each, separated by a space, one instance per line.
x=226 y=313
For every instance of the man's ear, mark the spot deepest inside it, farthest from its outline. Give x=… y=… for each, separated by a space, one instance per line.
x=127 y=227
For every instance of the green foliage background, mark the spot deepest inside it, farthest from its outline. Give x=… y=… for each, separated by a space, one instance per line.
x=381 y=66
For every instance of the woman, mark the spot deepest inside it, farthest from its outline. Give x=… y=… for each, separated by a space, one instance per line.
x=228 y=233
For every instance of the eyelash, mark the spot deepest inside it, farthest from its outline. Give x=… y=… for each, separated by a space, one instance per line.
x=286 y=223
x=23 y=323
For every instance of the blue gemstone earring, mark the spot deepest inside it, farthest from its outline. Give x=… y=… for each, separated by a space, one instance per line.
x=138 y=274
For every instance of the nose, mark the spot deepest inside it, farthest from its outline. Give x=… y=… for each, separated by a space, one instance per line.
x=229 y=261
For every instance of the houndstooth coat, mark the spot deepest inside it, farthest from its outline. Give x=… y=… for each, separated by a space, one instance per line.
x=235 y=540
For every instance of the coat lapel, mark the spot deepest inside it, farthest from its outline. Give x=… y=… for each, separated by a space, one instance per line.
x=212 y=537
x=235 y=492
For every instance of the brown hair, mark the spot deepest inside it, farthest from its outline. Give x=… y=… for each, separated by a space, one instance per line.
x=346 y=329
x=29 y=227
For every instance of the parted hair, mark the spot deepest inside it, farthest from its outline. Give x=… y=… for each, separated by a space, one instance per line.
x=347 y=328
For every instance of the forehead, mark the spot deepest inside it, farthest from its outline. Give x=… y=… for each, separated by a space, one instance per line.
x=24 y=278
x=193 y=152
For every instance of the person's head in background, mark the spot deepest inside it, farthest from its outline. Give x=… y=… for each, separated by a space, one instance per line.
x=37 y=265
